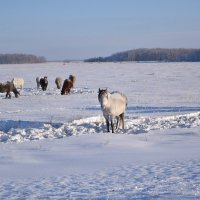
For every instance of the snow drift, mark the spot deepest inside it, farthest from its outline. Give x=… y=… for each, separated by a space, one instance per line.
x=19 y=131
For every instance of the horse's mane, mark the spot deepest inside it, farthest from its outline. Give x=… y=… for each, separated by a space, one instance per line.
x=102 y=91
x=111 y=96
x=122 y=94
x=119 y=93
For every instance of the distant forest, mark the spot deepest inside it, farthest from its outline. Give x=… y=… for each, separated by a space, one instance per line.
x=156 y=54
x=20 y=59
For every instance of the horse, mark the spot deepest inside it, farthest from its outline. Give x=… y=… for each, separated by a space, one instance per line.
x=59 y=82
x=44 y=83
x=18 y=82
x=72 y=78
x=68 y=85
x=66 y=88
x=9 y=87
x=113 y=106
x=38 y=82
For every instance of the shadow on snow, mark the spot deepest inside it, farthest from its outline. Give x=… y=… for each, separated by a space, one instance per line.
x=153 y=109
x=6 y=125
x=165 y=109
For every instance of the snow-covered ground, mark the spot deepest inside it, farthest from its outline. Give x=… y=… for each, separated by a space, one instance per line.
x=56 y=147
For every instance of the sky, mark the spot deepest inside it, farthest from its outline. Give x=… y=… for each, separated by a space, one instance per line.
x=80 y=29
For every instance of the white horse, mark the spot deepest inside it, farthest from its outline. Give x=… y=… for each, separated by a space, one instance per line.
x=113 y=106
x=59 y=82
x=18 y=82
x=38 y=82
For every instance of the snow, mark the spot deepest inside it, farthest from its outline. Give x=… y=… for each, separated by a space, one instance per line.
x=56 y=147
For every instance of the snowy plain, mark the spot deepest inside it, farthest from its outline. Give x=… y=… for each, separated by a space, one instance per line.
x=56 y=147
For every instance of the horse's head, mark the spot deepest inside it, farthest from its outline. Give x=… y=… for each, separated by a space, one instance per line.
x=72 y=78
x=45 y=80
x=103 y=96
x=17 y=94
x=101 y=92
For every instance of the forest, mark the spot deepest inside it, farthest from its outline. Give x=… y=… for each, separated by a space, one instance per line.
x=20 y=59
x=155 y=54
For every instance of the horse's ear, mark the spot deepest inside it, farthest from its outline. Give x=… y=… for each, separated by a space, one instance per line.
x=99 y=90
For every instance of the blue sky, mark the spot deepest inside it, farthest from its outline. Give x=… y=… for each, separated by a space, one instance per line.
x=79 y=29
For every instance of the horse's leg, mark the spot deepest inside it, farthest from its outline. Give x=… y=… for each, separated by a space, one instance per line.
x=69 y=90
x=112 y=125
x=8 y=95
x=118 y=122
x=122 y=119
x=107 y=124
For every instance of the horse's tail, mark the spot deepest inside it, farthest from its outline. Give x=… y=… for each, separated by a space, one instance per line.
x=126 y=101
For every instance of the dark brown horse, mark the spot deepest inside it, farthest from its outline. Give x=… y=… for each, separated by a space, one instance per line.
x=44 y=83
x=8 y=87
x=68 y=85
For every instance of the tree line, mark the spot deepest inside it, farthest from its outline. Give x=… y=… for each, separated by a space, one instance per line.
x=20 y=59
x=155 y=54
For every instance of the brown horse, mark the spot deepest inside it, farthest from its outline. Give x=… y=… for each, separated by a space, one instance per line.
x=68 y=85
x=8 y=87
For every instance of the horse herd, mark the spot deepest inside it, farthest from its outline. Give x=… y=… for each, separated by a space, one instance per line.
x=66 y=84
x=113 y=105
x=11 y=86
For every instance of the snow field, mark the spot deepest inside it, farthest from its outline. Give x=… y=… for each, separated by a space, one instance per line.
x=56 y=147
x=153 y=181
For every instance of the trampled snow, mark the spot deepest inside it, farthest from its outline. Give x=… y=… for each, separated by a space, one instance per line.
x=56 y=147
